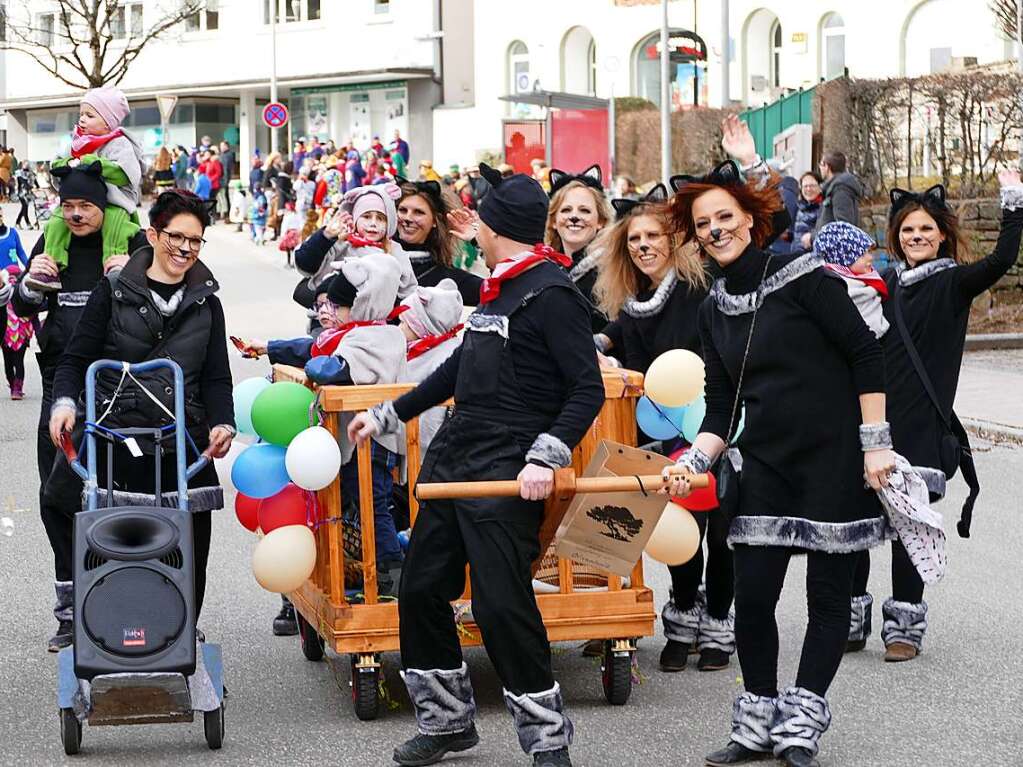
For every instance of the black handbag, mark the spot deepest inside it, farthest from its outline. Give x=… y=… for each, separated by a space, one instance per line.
x=725 y=473
x=954 y=452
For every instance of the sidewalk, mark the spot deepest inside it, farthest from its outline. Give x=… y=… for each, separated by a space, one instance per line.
x=990 y=396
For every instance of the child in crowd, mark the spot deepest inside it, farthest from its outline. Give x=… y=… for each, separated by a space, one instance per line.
x=848 y=252
x=257 y=217
x=98 y=135
x=312 y=223
x=291 y=226
x=203 y=185
x=239 y=214
x=15 y=333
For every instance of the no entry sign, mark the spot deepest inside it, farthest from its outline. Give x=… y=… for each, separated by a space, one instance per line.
x=275 y=115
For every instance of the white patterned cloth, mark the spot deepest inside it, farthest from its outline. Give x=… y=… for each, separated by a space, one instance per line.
x=918 y=526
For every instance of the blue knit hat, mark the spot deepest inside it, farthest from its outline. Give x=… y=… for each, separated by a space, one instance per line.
x=841 y=243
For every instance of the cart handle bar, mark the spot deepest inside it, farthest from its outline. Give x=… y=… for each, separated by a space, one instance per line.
x=510 y=488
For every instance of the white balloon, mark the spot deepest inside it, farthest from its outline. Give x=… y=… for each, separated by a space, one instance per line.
x=676 y=538
x=225 y=464
x=675 y=378
x=313 y=458
x=285 y=558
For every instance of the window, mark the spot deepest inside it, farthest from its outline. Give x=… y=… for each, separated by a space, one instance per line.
x=292 y=10
x=381 y=6
x=117 y=28
x=207 y=19
x=135 y=19
x=832 y=46
x=776 y=49
x=212 y=14
x=313 y=11
x=518 y=68
x=686 y=57
x=44 y=30
x=3 y=23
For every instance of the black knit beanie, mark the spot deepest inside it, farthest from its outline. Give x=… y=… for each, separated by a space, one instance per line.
x=340 y=291
x=516 y=208
x=83 y=183
x=324 y=287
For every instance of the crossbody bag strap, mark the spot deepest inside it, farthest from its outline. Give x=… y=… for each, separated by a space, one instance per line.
x=914 y=357
x=732 y=426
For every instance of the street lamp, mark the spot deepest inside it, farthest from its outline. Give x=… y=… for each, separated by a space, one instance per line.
x=665 y=97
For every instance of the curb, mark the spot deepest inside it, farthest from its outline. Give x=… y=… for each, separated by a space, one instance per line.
x=985 y=341
x=994 y=432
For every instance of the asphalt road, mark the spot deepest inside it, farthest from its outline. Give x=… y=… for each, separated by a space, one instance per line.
x=957 y=704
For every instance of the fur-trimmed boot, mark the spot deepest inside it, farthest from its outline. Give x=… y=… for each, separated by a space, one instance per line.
x=903 y=630
x=753 y=716
x=541 y=723
x=63 y=611
x=803 y=717
x=860 y=623
x=681 y=629
x=445 y=713
x=716 y=642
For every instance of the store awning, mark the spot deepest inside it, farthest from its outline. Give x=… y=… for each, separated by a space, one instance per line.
x=556 y=100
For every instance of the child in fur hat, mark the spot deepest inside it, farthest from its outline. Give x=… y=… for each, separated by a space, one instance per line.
x=848 y=252
x=365 y=223
x=98 y=132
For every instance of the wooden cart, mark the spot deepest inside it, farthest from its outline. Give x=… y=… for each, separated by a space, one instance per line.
x=579 y=604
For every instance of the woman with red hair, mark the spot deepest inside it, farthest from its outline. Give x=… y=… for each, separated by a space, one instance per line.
x=782 y=338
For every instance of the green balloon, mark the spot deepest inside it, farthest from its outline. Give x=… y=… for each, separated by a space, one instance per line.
x=281 y=411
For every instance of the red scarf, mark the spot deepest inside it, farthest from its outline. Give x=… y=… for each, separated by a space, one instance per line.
x=871 y=278
x=424 y=344
x=326 y=343
x=360 y=242
x=82 y=144
x=510 y=268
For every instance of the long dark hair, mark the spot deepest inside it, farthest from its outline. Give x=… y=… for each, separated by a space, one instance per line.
x=438 y=241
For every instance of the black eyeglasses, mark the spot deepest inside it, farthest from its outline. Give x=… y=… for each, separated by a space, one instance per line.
x=178 y=241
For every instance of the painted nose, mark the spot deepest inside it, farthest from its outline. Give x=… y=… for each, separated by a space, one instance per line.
x=644 y=248
x=574 y=220
x=715 y=234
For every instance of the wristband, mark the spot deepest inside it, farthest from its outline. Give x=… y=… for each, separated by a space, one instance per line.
x=875 y=436
x=385 y=418
x=694 y=459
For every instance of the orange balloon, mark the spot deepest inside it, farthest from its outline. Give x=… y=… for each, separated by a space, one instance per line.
x=676 y=539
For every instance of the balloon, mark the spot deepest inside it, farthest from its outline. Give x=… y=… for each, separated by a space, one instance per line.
x=701 y=499
x=659 y=422
x=693 y=419
x=259 y=471
x=288 y=507
x=285 y=558
x=675 y=378
x=226 y=464
x=676 y=538
x=281 y=412
x=247 y=511
x=244 y=395
x=313 y=459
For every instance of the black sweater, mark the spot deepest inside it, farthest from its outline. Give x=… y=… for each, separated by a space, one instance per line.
x=661 y=325
x=584 y=274
x=429 y=272
x=555 y=367
x=936 y=298
x=811 y=356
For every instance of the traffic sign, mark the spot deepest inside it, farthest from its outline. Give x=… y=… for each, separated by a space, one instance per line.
x=275 y=115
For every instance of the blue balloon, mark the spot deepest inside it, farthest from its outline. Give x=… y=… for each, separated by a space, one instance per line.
x=260 y=471
x=245 y=394
x=695 y=411
x=657 y=421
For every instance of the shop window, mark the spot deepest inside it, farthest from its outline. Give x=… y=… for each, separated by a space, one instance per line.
x=44 y=30
x=687 y=54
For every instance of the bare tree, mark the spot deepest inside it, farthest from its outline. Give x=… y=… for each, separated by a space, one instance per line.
x=1006 y=16
x=90 y=43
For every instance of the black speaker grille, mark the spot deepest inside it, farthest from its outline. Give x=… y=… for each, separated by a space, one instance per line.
x=173 y=559
x=93 y=560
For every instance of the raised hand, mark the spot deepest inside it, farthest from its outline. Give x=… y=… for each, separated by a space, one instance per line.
x=339 y=225
x=737 y=141
x=464 y=224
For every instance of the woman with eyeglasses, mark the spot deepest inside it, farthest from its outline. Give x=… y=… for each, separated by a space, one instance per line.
x=162 y=304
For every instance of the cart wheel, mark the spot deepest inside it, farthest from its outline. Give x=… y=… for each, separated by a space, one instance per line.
x=365 y=690
x=616 y=675
x=312 y=642
x=213 y=727
x=70 y=731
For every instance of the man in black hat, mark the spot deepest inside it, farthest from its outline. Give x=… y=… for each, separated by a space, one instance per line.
x=526 y=387
x=83 y=195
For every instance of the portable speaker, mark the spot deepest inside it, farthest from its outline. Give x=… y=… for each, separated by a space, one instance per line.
x=134 y=593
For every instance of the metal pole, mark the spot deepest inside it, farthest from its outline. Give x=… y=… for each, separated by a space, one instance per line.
x=611 y=133
x=274 y=7
x=665 y=97
x=726 y=57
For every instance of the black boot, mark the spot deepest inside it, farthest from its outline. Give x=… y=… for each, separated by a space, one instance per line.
x=62 y=638
x=285 y=624
x=735 y=753
x=430 y=749
x=674 y=656
x=798 y=757
x=712 y=659
x=557 y=758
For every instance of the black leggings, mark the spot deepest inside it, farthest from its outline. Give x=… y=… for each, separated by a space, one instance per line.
x=759 y=576
x=14 y=363
x=906 y=583
x=685 y=579
x=23 y=214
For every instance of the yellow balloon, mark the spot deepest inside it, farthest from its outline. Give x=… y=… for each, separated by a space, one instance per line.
x=285 y=558
x=675 y=378
x=676 y=538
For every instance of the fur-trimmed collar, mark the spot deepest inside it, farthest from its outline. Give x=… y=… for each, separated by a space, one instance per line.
x=585 y=265
x=419 y=256
x=927 y=269
x=654 y=304
x=745 y=303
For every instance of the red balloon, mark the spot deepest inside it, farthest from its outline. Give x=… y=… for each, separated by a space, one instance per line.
x=701 y=499
x=288 y=507
x=247 y=511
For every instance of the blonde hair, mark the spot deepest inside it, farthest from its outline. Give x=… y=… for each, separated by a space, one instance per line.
x=618 y=278
x=604 y=213
x=163 y=159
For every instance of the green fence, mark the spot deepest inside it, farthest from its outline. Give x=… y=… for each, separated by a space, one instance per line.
x=768 y=121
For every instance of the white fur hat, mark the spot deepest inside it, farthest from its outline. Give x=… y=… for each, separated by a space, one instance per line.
x=433 y=311
x=375 y=277
x=379 y=197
